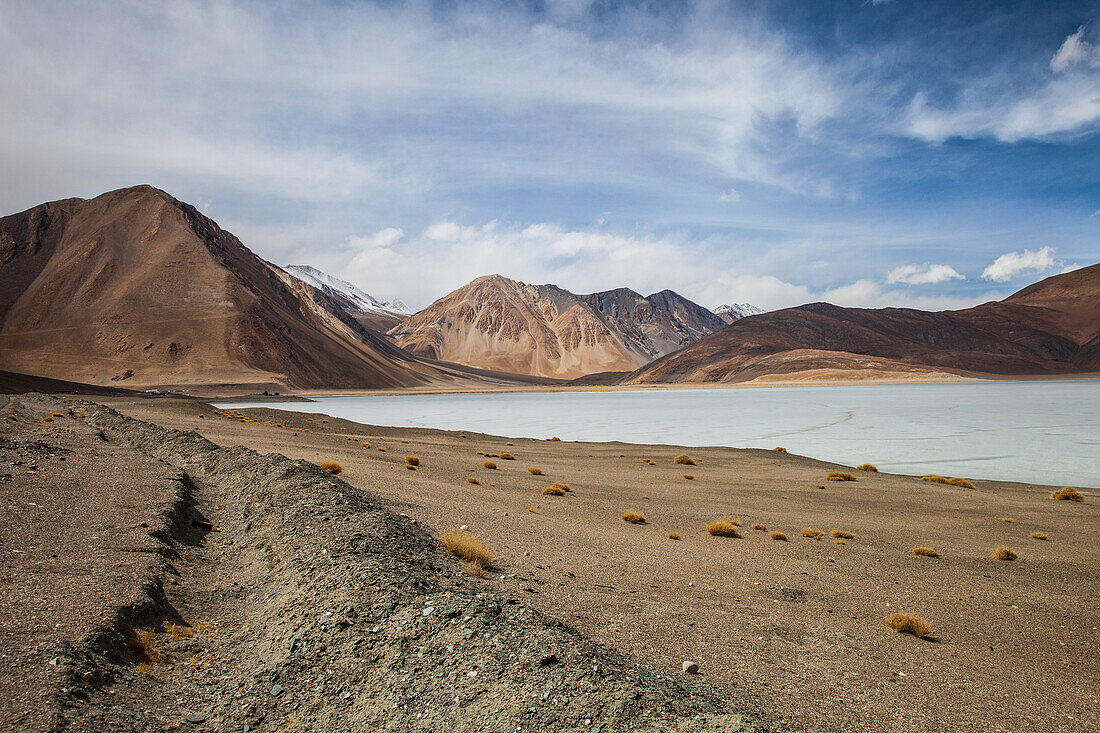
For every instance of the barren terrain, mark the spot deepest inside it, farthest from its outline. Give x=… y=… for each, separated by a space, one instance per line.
x=792 y=630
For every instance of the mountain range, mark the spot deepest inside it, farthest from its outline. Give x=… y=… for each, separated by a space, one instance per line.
x=135 y=288
x=543 y=330
x=1049 y=328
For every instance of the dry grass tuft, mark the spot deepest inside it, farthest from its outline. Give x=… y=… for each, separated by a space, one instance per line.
x=364 y=444
x=867 y=467
x=382 y=448
x=840 y=476
x=779 y=449
x=813 y=534
x=1004 y=553
x=907 y=623
x=560 y=485
x=534 y=471
x=506 y=456
x=634 y=517
x=1067 y=493
x=473 y=481
x=1039 y=536
x=760 y=527
x=177 y=632
x=841 y=534
x=489 y=465
x=689 y=477
x=331 y=467
x=684 y=460
x=144 y=643
x=723 y=528
x=1009 y=520
x=464 y=545
x=778 y=536
x=554 y=490
x=412 y=460
x=949 y=481
x=410 y=466
x=555 y=439
x=925 y=552
x=673 y=535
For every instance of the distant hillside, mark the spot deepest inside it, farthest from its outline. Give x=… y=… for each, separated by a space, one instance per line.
x=1051 y=327
x=737 y=311
x=543 y=330
x=135 y=288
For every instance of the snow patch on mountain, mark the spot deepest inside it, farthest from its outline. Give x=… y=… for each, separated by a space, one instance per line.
x=364 y=301
x=736 y=311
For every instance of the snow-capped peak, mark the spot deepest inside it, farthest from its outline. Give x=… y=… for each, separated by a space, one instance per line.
x=735 y=312
x=362 y=300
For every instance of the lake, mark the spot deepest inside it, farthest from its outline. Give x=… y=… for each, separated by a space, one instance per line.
x=1041 y=432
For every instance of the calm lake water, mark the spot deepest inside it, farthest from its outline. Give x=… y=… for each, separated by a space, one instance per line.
x=1042 y=432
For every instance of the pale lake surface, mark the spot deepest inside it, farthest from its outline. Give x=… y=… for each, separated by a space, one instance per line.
x=1039 y=432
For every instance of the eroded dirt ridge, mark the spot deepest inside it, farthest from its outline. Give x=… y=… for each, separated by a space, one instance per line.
x=314 y=606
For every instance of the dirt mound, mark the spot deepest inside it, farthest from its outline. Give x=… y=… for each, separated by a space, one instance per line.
x=307 y=604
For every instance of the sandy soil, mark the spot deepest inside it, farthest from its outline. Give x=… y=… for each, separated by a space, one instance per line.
x=796 y=626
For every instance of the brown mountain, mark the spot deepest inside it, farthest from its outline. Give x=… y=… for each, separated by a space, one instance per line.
x=134 y=288
x=1049 y=328
x=543 y=330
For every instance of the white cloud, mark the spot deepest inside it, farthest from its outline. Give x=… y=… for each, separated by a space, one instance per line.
x=382 y=239
x=731 y=196
x=923 y=274
x=1072 y=51
x=1011 y=264
x=1071 y=268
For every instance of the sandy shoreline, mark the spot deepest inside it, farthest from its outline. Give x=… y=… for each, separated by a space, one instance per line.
x=797 y=625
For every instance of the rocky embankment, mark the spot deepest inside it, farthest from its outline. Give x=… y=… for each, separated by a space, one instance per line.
x=283 y=598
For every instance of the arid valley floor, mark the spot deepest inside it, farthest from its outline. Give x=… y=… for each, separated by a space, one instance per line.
x=789 y=634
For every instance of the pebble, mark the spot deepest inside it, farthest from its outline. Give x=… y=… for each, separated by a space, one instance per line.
x=326 y=618
x=689 y=667
x=464 y=528
x=194 y=719
x=427 y=611
x=277 y=690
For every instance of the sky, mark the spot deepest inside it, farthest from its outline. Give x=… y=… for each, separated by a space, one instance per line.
x=932 y=154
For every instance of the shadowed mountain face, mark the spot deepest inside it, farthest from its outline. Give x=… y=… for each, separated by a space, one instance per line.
x=1052 y=327
x=135 y=288
x=502 y=324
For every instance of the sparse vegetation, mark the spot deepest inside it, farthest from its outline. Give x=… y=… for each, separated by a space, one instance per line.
x=331 y=467
x=839 y=542
x=1008 y=520
x=867 y=467
x=840 y=476
x=490 y=465
x=1039 y=536
x=813 y=534
x=144 y=643
x=467 y=547
x=778 y=536
x=779 y=449
x=723 y=528
x=907 y=623
x=534 y=471
x=177 y=632
x=689 y=477
x=760 y=527
x=412 y=460
x=563 y=487
x=364 y=444
x=925 y=552
x=1067 y=493
x=474 y=568
x=673 y=535
x=634 y=517
x=506 y=456
x=555 y=439
x=1004 y=553
x=841 y=534
x=949 y=481
x=553 y=490
x=382 y=448
x=683 y=460
x=473 y=481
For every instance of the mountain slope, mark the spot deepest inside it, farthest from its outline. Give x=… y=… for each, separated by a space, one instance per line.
x=136 y=288
x=1052 y=327
x=368 y=310
x=543 y=330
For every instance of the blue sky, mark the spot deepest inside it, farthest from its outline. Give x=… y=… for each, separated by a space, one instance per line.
x=928 y=154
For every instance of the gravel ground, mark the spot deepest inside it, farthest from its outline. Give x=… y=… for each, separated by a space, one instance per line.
x=271 y=595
